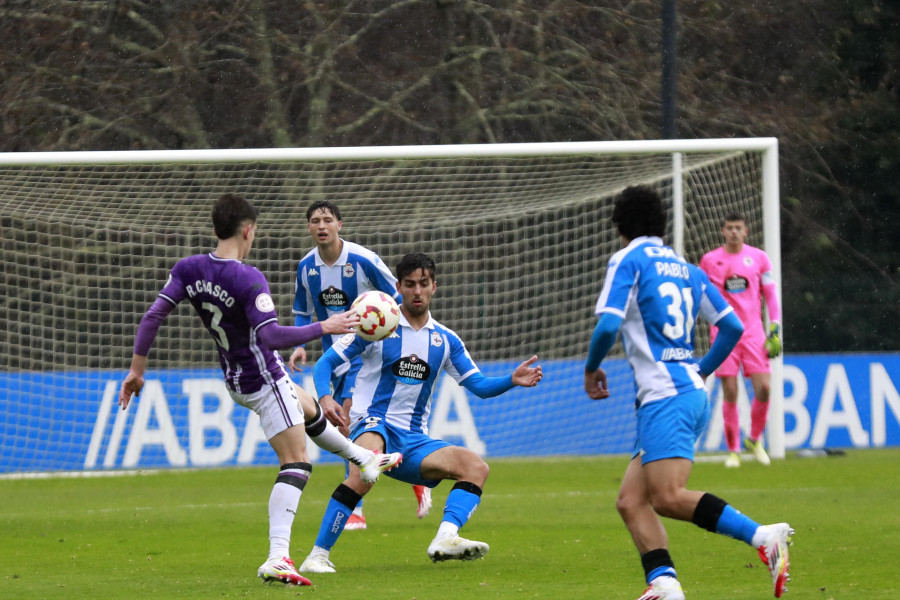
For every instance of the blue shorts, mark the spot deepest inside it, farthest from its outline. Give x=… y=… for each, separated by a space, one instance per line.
x=669 y=428
x=414 y=447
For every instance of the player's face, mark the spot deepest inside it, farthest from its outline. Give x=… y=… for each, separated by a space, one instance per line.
x=323 y=227
x=734 y=232
x=417 y=288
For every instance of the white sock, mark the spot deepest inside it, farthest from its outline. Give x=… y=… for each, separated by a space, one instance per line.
x=283 y=504
x=333 y=441
x=760 y=537
x=447 y=528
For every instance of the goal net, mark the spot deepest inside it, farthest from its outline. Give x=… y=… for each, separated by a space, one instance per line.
x=520 y=233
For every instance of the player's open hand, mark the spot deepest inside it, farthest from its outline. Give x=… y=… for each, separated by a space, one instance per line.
x=333 y=412
x=299 y=353
x=527 y=376
x=344 y=322
x=133 y=384
x=595 y=384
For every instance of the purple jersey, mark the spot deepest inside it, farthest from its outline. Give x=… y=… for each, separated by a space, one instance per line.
x=233 y=301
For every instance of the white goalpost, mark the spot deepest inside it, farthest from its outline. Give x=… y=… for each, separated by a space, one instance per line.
x=520 y=234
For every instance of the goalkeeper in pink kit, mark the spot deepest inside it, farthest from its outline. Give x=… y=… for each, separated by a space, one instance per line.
x=744 y=276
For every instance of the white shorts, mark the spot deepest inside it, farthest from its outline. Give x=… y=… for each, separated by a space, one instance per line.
x=277 y=405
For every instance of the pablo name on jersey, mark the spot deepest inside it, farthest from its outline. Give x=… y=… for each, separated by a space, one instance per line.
x=665 y=268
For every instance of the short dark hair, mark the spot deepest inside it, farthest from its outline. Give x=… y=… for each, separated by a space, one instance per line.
x=229 y=212
x=412 y=262
x=639 y=211
x=323 y=205
x=734 y=216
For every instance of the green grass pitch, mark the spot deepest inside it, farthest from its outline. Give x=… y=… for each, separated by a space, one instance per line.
x=551 y=524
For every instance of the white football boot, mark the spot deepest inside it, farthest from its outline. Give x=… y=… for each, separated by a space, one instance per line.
x=453 y=547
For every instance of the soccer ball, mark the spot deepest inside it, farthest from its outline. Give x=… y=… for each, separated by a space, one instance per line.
x=378 y=314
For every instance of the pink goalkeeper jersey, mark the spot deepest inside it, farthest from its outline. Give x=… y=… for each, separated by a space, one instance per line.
x=744 y=278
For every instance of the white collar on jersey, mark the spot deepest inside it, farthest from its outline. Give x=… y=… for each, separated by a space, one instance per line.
x=646 y=239
x=342 y=259
x=405 y=323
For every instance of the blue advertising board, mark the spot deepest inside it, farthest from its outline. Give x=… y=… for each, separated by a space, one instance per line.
x=185 y=418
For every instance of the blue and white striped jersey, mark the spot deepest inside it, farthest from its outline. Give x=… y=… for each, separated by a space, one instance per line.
x=398 y=374
x=326 y=290
x=659 y=296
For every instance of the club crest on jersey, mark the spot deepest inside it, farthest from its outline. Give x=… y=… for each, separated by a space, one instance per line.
x=736 y=284
x=333 y=298
x=748 y=261
x=436 y=340
x=264 y=303
x=411 y=369
x=349 y=271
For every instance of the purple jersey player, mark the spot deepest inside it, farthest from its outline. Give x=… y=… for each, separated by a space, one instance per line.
x=233 y=301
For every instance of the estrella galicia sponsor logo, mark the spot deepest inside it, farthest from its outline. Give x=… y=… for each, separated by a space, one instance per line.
x=736 y=284
x=412 y=370
x=331 y=297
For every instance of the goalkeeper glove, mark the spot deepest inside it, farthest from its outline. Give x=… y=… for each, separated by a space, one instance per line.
x=773 y=340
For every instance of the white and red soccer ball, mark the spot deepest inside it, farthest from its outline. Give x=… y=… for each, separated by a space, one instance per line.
x=378 y=313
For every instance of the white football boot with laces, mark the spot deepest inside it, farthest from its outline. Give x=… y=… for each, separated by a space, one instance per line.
x=663 y=588
x=774 y=553
x=317 y=562
x=453 y=547
x=758 y=451
x=378 y=464
x=283 y=570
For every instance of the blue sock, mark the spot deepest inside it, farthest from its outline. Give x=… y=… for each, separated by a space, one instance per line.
x=659 y=572
x=339 y=508
x=735 y=524
x=462 y=501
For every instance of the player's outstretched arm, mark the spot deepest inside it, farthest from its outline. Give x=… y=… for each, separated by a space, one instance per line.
x=146 y=334
x=344 y=322
x=526 y=375
x=276 y=337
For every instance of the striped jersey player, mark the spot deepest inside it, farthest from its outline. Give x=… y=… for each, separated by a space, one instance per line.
x=654 y=297
x=391 y=404
x=329 y=278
